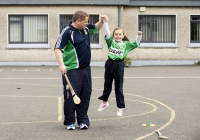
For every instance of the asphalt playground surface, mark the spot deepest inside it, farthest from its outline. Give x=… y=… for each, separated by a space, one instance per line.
x=31 y=105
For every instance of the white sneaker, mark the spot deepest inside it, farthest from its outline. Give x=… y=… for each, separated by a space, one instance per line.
x=119 y=112
x=103 y=106
x=83 y=126
x=71 y=127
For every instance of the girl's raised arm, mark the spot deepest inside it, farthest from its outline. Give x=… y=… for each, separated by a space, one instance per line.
x=106 y=27
x=139 y=37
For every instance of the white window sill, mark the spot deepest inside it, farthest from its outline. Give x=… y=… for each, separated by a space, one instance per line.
x=158 y=45
x=96 y=46
x=194 y=45
x=40 y=46
x=28 y=46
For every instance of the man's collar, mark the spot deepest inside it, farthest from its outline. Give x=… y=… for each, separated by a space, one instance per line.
x=72 y=27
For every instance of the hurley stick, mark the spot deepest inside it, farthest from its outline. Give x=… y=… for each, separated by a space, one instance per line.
x=75 y=97
x=160 y=136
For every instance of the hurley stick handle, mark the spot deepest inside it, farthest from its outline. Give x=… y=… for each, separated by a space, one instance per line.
x=74 y=96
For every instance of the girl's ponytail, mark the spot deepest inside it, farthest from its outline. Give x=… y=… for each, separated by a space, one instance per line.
x=125 y=38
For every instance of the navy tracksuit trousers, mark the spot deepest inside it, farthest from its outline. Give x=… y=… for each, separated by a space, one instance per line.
x=81 y=82
x=114 y=69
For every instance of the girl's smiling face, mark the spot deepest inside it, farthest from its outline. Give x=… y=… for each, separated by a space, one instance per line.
x=118 y=35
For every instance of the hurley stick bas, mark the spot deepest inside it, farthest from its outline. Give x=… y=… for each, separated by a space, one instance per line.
x=76 y=99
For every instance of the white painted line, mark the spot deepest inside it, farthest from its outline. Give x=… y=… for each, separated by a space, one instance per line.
x=19 y=69
x=31 y=78
x=1 y=69
x=103 y=77
x=161 y=77
x=33 y=69
x=46 y=69
x=16 y=96
x=154 y=77
x=60 y=109
x=7 y=123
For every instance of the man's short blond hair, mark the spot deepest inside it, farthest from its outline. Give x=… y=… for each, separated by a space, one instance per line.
x=79 y=15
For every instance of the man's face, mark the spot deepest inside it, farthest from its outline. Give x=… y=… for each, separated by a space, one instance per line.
x=83 y=23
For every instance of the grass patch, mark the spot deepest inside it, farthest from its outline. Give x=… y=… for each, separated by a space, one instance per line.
x=197 y=63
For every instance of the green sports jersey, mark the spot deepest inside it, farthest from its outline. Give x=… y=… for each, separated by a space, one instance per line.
x=75 y=45
x=119 y=50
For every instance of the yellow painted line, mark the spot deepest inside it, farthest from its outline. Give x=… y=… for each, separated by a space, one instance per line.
x=140 y=138
x=134 y=115
x=60 y=118
x=60 y=109
x=162 y=127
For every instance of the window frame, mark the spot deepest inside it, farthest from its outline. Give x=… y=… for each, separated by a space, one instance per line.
x=158 y=44
x=192 y=44
x=191 y=26
x=59 y=21
x=28 y=45
x=93 y=45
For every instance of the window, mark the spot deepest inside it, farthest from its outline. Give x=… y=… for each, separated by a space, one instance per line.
x=195 y=29
x=28 y=29
x=158 y=28
x=66 y=19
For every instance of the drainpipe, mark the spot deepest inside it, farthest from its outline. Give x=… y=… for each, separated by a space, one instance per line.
x=120 y=9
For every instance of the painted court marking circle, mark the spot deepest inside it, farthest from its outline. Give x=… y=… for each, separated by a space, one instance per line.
x=162 y=127
x=60 y=109
x=128 y=116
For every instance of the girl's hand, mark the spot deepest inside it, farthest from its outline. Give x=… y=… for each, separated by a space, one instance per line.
x=139 y=32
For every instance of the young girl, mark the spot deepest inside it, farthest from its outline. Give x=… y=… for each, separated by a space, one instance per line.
x=119 y=46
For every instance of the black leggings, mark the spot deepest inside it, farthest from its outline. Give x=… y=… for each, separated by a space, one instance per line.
x=114 y=69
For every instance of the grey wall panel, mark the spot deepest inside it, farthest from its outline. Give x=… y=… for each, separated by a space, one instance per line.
x=61 y=2
x=164 y=3
x=104 y=2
